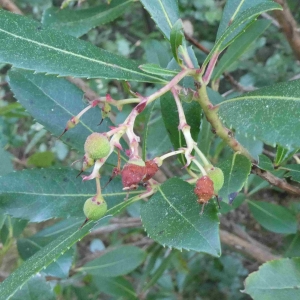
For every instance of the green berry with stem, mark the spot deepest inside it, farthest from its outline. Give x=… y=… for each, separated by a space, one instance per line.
x=217 y=176
x=95 y=208
x=97 y=146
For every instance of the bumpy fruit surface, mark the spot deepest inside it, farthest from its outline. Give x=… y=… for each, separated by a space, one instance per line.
x=204 y=189
x=133 y=173
x=95 y=208
x=97 y=146
x=217 y=176
x=151 y=169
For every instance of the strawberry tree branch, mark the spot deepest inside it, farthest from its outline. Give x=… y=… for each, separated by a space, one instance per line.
x=211 y=113
x=9 y=5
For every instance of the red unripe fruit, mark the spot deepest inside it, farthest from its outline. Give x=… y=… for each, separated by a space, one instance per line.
x=133 y=173
x=151 y=169
x=204 y=189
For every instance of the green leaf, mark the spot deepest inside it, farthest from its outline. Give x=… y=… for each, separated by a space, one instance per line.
x=276 y=280
x=5 y=162
x=157 y=70
x=158 y=141
x=236 y=170
x=47 y=50
x=34 y=289
x=240 y=45
x=171 y=217
x=115 y=286
x=232 y=10
x=177 y=39
x=117 y=262
x=170 y=116
x=273 y=217
x=52 y=102
x=281 y=154
x=29 y=246
x=41 y=260
x=292 y=245
x=148 y=112
x=79 y=22
x=41 y=159
x=165 y=13
x=239 y=25
x=56 y=194
x=265 y=163
x=259 y=114
x=294 y=171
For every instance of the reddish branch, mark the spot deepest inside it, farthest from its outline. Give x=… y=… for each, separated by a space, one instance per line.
x=289 y=26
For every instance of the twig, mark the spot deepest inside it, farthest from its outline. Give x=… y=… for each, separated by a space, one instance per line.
x=281 y=183
x=289 y=26
x=247 y=245
x=9 y=5
x=268 y=17
x=256 y=252
x=196 y=44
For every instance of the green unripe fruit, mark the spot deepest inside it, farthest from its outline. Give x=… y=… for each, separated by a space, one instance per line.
x=95 y=208
x=217 y=176
x=97 y=146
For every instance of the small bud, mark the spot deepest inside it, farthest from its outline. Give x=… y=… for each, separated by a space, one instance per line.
x=133 y=173
x=95 y=208
x=204 y=189
x=70 y=124
x=217 y=176
x=97 y=146
x=151 y=169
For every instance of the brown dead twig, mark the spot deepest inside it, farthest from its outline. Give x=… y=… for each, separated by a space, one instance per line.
x=289 y=26
x=11 y=6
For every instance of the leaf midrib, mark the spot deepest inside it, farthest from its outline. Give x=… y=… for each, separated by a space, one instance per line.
x=165 y=13
x=78 y=55
x=273 y=98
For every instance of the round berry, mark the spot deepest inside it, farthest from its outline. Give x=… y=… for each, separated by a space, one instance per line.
x=151 y=169
x=133 y=173
x=97 y=146
x=217 y=176
x=204 y=189
x=95 y=208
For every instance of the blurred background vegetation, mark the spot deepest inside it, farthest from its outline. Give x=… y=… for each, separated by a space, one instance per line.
x=165 y=274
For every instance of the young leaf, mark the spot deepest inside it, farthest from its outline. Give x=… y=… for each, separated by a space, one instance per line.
x=281 y=154
x=56 y=194
x=177 y=39
x=50 y=51
x=41 y=260
x=294 y=171
x=281 y=280
x=259 y=114
x=265 y=163
x=169 y=113
x=120 y=261
x=239 y=25
x=35 y=288
x=79 y=22
x=164 y=13
x=236 y=170
x=232 y=10
x=157 y=70
x=171 y=217
x=273 y=217
x=240 y=45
